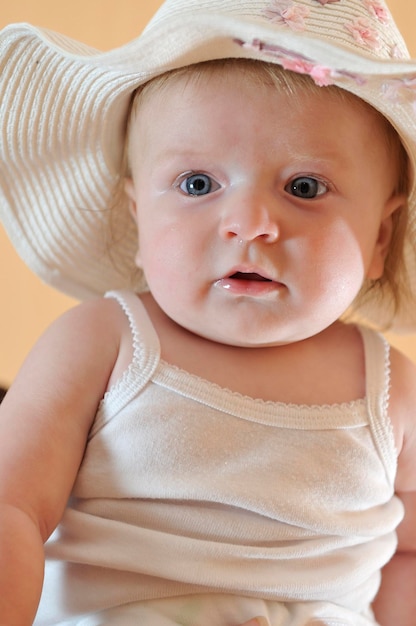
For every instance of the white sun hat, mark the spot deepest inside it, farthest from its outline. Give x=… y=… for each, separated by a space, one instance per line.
x=63 y=108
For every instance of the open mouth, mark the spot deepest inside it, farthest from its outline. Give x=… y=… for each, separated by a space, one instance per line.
x=250 y=276
x=250 y=284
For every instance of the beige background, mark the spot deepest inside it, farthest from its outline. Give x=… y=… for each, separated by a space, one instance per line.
x=28 y=306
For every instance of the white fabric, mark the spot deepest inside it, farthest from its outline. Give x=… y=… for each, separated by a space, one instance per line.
x=188 y=489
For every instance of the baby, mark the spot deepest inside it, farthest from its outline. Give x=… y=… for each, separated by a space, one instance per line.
x=220 y=435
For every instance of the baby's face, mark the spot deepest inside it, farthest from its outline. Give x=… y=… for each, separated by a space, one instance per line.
x=258 y=217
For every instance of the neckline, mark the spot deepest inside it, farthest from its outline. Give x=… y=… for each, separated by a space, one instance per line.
x=350 y=414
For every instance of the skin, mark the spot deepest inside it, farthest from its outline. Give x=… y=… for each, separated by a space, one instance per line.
x=256 y=337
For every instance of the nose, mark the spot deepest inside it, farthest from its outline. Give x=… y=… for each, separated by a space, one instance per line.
x=248 y=217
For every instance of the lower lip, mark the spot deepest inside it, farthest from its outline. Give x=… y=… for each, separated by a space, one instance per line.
x=253 y=288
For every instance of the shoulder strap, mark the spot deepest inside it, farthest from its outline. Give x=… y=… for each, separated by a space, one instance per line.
x=377 y=370
x=146 y=356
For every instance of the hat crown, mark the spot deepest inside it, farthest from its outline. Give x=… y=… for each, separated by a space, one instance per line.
x=362 y=26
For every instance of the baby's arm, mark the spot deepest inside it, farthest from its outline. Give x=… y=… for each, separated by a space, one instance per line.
x=44 y=424
x=395 y=604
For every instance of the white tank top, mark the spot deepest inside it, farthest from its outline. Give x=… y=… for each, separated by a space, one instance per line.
x=187 y=488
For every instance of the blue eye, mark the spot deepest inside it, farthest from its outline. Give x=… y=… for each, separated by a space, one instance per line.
x=306 y=187
x=198 y=185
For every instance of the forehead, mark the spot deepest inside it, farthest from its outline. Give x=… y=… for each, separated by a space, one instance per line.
x=228 y=94
x=255 y=73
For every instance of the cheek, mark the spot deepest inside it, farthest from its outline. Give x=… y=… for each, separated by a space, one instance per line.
x=165 y=259
x=337 y=267
x=156 y=261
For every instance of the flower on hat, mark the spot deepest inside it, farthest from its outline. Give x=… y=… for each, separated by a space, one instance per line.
x=295 y=62
x=378 y=10
x=288 y=14
x=289 y=60
x=363 y=33
x=320 y=74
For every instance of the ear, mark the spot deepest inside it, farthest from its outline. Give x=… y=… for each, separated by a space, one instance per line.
x=131 y=197
x=382 y=244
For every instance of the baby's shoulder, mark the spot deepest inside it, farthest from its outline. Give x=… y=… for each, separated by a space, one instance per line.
x=96 y=329
x=124 y=316
x=100 y=315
